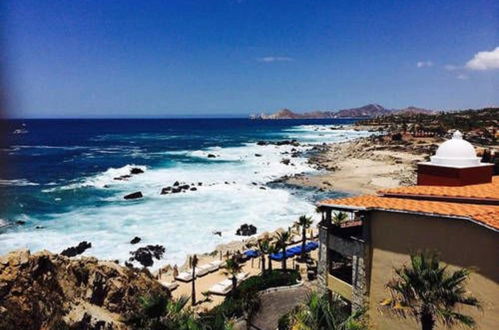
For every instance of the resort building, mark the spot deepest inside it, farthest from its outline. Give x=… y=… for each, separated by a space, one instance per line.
x=454 y=210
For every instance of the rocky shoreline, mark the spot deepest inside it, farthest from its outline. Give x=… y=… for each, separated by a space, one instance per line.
x=365 y=165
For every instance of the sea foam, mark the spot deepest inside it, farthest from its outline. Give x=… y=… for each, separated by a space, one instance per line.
x=233 y=192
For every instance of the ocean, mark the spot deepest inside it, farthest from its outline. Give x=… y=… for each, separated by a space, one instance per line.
x=58 y=179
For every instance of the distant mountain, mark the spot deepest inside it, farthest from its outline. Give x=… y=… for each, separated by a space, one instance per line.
x=366 y=111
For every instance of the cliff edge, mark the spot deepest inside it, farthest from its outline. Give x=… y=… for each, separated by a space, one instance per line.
x=47 y=291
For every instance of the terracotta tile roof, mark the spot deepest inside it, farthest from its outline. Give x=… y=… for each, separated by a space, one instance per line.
x=486 y=191
x=485 y=214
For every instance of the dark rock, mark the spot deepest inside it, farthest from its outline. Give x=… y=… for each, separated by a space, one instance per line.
x=246 y=230
x=136 y=170
x=76 y=250
x=166 y=190
x=20 y=222
x=219 y=233
x=134 y=195
x=212 y=156
x=262 y=143
x=285 y=161
x=263 y=188
x=184 y=187
x=200 y=183
x=258 y=155
x=145 y=255
x=176 y=184
x=135 y=240
x=176 y=190
x=194 y=189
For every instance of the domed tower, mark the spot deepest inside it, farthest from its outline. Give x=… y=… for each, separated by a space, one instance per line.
x=455 y=164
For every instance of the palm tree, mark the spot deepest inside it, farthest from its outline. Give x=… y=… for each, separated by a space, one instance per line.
x=305 y=223
x=194 y=265
x=263 y=246
x=162 y=312
x=232 y=268
x=340 y=217
x=321 y=314
x=282 y=241
x=273 y=248
x=428 y=292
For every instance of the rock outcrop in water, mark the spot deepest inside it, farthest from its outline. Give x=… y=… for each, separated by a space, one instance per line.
x=246 y=230
x=50 y=291
x=76 y=250
x=134 y=195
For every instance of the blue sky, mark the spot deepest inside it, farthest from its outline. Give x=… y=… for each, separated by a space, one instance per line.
x=228 y=57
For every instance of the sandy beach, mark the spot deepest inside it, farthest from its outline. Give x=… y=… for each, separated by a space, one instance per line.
x=366 y=165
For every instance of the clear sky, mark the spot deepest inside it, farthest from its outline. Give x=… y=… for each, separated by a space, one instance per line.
x=236 y=57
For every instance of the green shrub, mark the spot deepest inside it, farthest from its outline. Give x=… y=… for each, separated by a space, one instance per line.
x=246 y=296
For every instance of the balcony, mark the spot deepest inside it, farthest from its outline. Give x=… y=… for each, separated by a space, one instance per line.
x=340 y=287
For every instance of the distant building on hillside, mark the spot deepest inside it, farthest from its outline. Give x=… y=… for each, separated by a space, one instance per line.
x=453 y=210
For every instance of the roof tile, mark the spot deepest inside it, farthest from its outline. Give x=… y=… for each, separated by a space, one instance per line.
x=486 y=191
x=486 y=214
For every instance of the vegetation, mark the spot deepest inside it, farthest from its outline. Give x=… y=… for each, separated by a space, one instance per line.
x=245 y=301
x=318 y=313
x=232 y=268
x=273 y=248
x=161 y=312
x=480 y=125
x=194 y=265
x=340 y=217
x=304 y=222
x=264 y=246
x=282 y=243
x=429 y=292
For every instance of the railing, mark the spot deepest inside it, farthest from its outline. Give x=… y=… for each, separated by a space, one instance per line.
x=340 y=287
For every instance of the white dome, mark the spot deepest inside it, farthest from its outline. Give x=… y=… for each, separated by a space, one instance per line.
x=456 y=152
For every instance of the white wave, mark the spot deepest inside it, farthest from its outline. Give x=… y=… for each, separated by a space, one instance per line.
x=17 y=182
x=184 y=222
x=3 y=223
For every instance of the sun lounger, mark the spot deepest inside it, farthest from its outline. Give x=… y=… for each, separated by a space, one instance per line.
x=169 y=285
x=185 y=276
x=203 y=270
x=241 y=277
x=215 y=265
x=221 y=288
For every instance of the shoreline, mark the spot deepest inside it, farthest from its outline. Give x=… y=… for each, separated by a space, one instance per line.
x=365 y=165
x=359 y=166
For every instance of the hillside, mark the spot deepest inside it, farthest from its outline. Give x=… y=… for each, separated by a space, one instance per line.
x=480 y=126
x=366 y=111
x=50 y=291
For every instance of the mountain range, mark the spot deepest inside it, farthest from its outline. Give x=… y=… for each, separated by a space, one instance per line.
x=366 y=111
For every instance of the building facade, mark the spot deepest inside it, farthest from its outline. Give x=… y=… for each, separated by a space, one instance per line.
x=460 y=222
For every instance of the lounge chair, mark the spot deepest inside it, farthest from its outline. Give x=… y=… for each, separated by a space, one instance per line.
x=221 y=288
x=185 y=276
x=241 y=277
x=203 y=270
x=169 y=285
